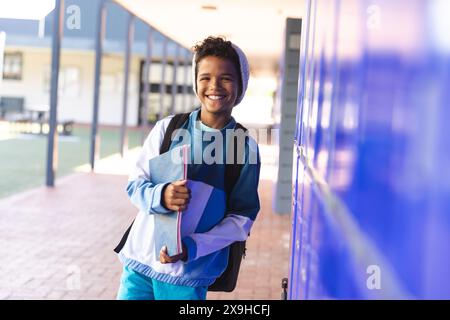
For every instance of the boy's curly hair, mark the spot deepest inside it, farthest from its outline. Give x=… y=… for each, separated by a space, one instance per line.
x=218 y=47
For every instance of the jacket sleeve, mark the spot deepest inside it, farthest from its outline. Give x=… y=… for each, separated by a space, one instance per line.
x=146 y=196
x=244 y=207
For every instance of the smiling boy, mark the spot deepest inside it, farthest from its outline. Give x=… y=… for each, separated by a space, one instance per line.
x=217 y=87
x=220 y=77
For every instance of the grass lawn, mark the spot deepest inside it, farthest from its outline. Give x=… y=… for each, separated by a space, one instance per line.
x=23 y=158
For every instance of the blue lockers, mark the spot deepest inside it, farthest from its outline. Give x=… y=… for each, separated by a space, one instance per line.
x=371 y=210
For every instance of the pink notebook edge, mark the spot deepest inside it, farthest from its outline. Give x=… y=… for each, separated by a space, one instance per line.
x=179 y=244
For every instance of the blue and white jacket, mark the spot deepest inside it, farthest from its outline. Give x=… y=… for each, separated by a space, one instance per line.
x=207 y=245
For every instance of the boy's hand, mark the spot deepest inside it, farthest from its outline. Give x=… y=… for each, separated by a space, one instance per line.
x=176 y=196
x=164 y=257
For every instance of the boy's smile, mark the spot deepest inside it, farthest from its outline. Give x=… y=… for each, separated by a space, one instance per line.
x=217 y=86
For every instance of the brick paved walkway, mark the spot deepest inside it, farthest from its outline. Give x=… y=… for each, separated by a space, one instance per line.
x=57 y=243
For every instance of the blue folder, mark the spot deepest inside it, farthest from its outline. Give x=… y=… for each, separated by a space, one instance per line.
x=169 y=167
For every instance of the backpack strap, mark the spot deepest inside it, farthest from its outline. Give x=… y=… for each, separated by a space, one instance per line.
x=228 y=279
x=233 y=170
x=175 y=123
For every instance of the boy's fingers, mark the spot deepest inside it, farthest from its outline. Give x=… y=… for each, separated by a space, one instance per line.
x=179 y=208
x=179 y=202
x=179 y=195
x=163 y=257
x=181 y=189
x=173 y=195
x=179 y=182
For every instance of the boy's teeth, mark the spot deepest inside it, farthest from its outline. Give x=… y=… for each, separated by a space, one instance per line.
x=215 y=97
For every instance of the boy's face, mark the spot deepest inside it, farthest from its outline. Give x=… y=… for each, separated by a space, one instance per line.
x=217 y=85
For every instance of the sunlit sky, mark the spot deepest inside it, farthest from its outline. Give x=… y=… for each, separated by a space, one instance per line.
x=25 y=9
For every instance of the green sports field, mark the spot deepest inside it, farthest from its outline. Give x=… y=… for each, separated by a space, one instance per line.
x=23 y=157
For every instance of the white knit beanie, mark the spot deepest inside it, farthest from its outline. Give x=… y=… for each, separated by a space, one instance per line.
x=245 y=72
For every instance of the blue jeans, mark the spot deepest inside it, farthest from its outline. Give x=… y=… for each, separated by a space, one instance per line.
x=136 y=286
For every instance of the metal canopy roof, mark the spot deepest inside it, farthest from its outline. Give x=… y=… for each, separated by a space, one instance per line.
x=257 y=26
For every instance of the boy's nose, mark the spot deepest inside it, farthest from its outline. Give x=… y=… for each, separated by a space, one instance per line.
x=214 y=83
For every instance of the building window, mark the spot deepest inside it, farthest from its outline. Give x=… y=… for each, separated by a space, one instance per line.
x=12 y=66
x=69 y=81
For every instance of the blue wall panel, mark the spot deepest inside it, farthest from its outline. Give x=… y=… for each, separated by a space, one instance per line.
x=371 y=216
